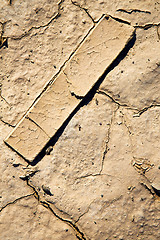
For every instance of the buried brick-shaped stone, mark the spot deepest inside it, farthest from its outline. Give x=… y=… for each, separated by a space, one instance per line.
x=56 y=104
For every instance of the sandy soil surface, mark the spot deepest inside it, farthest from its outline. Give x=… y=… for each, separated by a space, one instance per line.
x=93 y=92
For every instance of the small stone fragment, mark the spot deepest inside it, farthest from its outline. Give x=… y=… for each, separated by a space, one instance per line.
x=49 y=150
x=47 y=190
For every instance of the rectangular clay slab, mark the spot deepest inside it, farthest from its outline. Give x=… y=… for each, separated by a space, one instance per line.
x=55 y=105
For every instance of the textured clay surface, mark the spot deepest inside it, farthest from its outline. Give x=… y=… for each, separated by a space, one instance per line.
x=99 y=177
x=82 y=72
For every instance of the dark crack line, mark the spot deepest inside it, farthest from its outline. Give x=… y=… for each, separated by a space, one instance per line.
x=147 y=26
x=106 y=148
x=107 y=204
x=1 y=93
x=67 y=80
x=158 y=34
x=16 y=200
x=146 y=187
x=149 y=187
x=85 y=212
x=4 y=98
x=57 y=15
x=84 y=9
x=130 y=11
x=3 y=40
x=6 y=123
x=145 y=109
x=139 y=112
x=58 y=209
x=107 y=141
x=120 y=20
x=115 y=101
x=127 y=127
x=28 y=175
x=79 y=234
x=76 y=96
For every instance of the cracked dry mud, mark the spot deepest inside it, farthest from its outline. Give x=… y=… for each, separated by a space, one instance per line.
x=98 y=177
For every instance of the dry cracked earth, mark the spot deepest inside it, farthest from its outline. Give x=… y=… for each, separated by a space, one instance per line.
x=80 y=102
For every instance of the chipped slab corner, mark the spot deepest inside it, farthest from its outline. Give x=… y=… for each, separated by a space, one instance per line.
x=27 y=139
x=100 y=48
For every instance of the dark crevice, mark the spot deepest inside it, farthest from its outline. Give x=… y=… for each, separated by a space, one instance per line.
x=25 y=34
x=158 y=34
x=87 y=98
x=107 y=143
x=157 y=191
x=36 y=193
x=2 y=95
x=147 y=26
x=145 y=109
x=16 y=165
x=77 y=96
x=56 y=16
x=6 y=123
x=3 y=42
x=62 y=212
x=146 y=187
x=120 y=20
x=27 y=176
x=133 y=10
x=79 y=234
x=85 y=9
x=115 y=101
x=16 y=200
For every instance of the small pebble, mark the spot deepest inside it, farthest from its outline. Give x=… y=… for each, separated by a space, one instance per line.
x=49 y=150
x=47 y=190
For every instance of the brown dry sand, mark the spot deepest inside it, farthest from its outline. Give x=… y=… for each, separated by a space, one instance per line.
x=79 y=120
